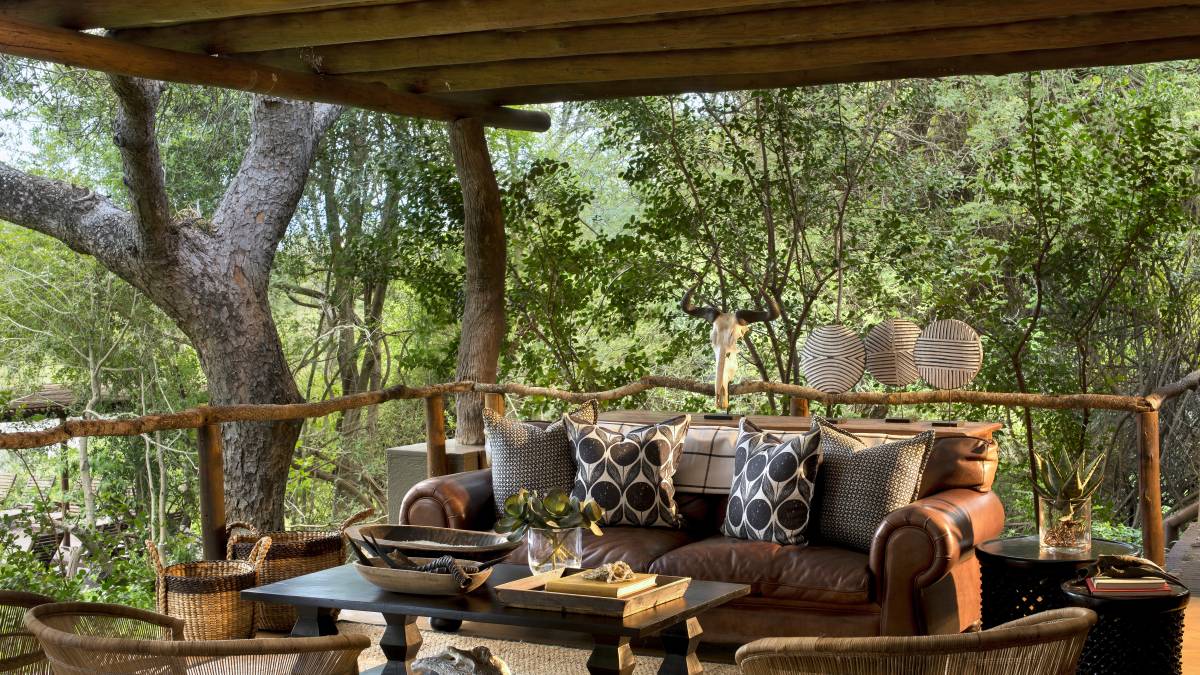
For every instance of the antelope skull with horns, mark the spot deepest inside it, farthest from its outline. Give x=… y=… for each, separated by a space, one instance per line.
x=727 y=329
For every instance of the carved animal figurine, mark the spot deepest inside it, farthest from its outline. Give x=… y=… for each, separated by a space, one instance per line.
x=1129 y=567
x=455 y=661
x=727 y=329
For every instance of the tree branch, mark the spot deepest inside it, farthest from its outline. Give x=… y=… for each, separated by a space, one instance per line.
x=135 y=136
x=87 y=222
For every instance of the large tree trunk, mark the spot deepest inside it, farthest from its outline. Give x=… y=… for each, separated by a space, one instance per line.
x=484 y=252
x=210 y=277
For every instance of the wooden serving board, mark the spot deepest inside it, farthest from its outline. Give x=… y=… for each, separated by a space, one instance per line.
x=530 y=593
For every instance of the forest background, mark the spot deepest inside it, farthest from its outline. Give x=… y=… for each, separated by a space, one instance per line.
x=1055 y=212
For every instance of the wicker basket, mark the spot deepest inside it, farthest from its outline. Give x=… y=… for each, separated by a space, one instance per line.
x=292 y=554
x=207 y=594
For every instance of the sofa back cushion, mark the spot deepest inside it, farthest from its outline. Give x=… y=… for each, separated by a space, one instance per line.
x=709 y=449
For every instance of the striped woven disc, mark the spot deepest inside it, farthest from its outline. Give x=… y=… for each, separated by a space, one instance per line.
x=948 y=354
x=832 y=359
x=889 y=356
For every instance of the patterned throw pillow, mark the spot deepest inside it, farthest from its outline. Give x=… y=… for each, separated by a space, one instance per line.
x=629 y=474
x=527 y=456
x=861 y=484
x=773 y=485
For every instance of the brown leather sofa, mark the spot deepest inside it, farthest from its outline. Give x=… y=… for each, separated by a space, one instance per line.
x=920 y=576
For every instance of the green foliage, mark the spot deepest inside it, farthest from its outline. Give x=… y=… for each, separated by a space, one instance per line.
x=555 y=511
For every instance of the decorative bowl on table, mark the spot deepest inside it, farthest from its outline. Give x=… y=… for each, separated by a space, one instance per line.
x=434 y=542
x=418 y=583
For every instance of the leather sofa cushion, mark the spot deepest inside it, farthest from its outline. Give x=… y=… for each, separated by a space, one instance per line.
x=813 y=573
x=638 y=546
x=960 y=462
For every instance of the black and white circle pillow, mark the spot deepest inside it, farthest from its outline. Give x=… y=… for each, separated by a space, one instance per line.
x=773 y=485
x=629 y=474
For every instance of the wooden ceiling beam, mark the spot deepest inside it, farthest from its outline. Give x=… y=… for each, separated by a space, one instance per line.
x=416 y=19
x=987 y=64
x=71 y=48
x=83 y=14
x=775 y=26
x=1082 y=31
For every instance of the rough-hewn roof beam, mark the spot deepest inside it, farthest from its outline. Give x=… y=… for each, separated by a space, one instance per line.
x=774 y=26
x=83 y=14
x=72 y=48
x=1082 y=31
x=988 y=64
x=432 y=17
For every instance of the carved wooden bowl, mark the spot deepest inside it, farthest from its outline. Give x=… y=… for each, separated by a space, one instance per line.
x=434 y=542
x=418 y=583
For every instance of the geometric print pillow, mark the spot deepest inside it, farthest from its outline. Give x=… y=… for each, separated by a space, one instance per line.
x=859 y=484
x=527 y=456
x=629 y=474
x=773 y=486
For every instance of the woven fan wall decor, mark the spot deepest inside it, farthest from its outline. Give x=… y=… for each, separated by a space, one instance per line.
x=948 y=354
x=890 y=354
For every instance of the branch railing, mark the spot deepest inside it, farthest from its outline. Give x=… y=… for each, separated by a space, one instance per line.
x=207 y=420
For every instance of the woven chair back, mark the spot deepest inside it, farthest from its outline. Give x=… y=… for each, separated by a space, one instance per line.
x=207 y=595
x=19 y=650
x=292 y=554
x=1048 y=643
x=100 y=639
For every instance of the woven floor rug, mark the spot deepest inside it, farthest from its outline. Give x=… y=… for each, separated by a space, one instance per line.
x=523 y=658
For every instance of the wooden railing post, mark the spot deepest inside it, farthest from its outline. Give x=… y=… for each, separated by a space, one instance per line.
x=212 y=491
x=494 y=402
x=798 y=406
x=1150 y=487
x=435 y=436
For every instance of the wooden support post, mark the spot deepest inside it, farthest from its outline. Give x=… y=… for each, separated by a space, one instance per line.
x=494 y=402
x=798 y=407
x=1150 y=487
x=435 y=436
x=483 y=285
x=212 y=491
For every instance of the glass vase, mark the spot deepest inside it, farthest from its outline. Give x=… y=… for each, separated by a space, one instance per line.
x=552 y=549
x=1065 y=526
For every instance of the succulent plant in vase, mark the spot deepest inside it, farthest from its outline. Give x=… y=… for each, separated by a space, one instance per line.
x=551 y=525
x=1064 y=485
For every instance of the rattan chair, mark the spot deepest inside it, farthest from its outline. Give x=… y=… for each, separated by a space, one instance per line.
x=81 y=637
x=19 y=650
x=1048 y=643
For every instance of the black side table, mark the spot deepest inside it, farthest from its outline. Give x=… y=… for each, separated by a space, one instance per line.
x=1020 y=579
x=1135 y=634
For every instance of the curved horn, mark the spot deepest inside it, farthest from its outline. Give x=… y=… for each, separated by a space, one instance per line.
x=748 y=316
x=709 y=314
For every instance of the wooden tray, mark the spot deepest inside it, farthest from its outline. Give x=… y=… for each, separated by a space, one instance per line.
x=530 y=593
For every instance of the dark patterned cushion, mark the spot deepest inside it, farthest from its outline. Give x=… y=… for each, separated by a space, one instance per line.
x=859 y=484
x=527 y=456
x=629 y=474
x=773 y=485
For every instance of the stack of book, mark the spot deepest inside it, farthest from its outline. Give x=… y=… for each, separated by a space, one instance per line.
x=577 y=585
x=1134 y=586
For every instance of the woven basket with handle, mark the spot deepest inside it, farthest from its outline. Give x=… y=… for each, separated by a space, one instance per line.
x=292 y=554
x=207 y=594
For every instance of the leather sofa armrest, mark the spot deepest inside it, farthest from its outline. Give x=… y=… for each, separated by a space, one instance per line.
x=462 y=501
x=925 y=543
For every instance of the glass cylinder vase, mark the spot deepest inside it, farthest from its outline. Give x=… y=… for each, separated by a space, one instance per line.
x=552 y=549
x=1065 y=526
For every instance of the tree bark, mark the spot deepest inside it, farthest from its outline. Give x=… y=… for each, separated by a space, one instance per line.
x=483 y=287
x=209 y=277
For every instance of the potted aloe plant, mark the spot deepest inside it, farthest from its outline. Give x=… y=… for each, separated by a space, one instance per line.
x=551 y=525
x=1064 y=486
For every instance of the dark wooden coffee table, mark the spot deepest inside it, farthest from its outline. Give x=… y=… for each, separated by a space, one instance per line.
x=314 y=595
